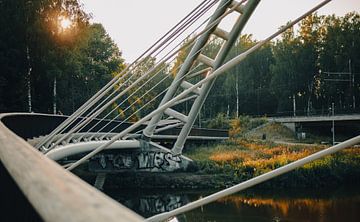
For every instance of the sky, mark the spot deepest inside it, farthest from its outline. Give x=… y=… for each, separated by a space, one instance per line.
x=135 y=25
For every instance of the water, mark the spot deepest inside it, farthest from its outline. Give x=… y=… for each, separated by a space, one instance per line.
x=324 y=205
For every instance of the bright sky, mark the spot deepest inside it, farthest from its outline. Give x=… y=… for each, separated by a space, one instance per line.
x=135 y=25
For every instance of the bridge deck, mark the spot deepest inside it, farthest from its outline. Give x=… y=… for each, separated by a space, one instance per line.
x=299 y=119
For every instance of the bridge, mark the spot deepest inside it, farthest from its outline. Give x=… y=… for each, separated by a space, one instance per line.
x=346 y=126
x=101 y=134
x=192 y=83
x=320 y=118
x=33 y=127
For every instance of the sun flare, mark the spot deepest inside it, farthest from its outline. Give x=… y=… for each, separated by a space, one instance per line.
x=65 y=23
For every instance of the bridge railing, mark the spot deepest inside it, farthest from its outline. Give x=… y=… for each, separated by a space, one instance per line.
x=56 y=194
x=314 y=112
x=32 y=125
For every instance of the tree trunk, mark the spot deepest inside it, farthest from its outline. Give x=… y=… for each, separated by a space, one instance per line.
x=54 y=98
x=28 y=78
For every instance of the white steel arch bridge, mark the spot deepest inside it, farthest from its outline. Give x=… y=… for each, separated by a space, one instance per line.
x=193 y=80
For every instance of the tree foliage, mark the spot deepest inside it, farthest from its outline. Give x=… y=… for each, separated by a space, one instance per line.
x=306 y=69
x=35 y=50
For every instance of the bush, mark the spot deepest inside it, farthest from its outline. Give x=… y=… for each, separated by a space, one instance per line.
x=256 y=122
x=243 y=124
x=219 y=122
x=244 y=159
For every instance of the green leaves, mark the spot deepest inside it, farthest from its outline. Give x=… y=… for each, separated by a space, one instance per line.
x=81 y=57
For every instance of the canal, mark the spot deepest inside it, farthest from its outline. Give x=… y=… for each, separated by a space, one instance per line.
x=320 y=204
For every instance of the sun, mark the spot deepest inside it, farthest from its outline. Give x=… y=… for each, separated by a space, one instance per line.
x=65 y=23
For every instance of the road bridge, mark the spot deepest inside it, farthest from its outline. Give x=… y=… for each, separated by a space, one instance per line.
x=346 y=126
x=321 y=118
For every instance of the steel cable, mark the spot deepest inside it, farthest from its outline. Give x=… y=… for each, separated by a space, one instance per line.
x=215 y=23
x=98 y=95
x=134 y=67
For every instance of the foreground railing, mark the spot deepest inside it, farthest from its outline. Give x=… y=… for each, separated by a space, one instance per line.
x=56 y=194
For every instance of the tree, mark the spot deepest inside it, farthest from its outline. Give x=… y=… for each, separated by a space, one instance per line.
x=311 y=32
x=339 y=54
x=143 y=96
x=49 y=44
x=296 y=68
x=13 y=62
x=248 y=82
x=30 y=48
x=88 y=67
x=79 y=58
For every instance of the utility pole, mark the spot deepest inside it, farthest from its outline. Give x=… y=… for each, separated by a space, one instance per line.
x=333 y=123
x=237 y=80
x=228 y=111
x=237 y=96
x=200 y=118
x=341 y=77
x=294 y=104
x=352 y=84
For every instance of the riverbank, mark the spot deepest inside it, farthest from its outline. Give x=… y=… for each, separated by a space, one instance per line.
x=234 y=161
x=243 y=160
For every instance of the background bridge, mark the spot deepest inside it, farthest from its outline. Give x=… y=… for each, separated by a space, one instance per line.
x=346 y=126
x=319 y=118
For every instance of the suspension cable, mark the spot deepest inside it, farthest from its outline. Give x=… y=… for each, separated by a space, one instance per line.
x=183 y=27
x=220 y=71
x=187 y=46
x=104 y=90
x=136 y=111
x=178 y=34
x=213 y=24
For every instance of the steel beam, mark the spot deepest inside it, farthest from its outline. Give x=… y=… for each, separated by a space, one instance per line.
x=205 y=89
x=195 y=51
x=220 y=71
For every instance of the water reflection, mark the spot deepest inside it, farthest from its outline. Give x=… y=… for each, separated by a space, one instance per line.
x=297 y=205
x=148 y=204
x=283 y=209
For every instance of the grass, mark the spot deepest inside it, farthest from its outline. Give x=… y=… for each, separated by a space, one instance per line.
x=278 y=132
x=244 y=159
x=273 y=131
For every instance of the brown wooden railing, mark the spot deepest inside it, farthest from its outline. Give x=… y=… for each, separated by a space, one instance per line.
x=56 y=194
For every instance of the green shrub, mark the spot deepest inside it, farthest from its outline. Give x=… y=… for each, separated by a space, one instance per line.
x=219 y=122
x=243 y=124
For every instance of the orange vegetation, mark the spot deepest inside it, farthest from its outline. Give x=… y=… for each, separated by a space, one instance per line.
x=258 y=155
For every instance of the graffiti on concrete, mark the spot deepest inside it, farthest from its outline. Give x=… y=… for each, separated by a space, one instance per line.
x=123 y=162
x=159 y=160
x=146 y=161
x=102 y=161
